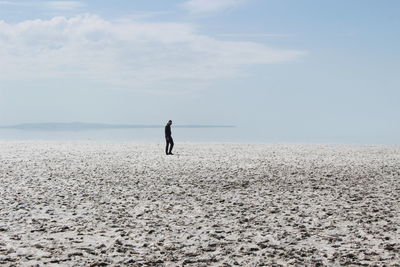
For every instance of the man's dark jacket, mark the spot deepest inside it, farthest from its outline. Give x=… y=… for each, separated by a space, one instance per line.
x=168 y=131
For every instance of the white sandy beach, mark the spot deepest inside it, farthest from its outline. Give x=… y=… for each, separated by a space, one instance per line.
x=119 y=204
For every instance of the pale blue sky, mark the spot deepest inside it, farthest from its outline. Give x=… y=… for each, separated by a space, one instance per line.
x=286 y=70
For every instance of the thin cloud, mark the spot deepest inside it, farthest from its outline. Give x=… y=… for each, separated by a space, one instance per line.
x=142 y=15
x=64 y=5
x=254 y=35
x=126 y=54
x=56 y=5
x=10 y=3
x=208 y=6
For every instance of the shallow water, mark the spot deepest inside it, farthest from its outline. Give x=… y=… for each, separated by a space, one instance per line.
x=138 y=135
x=181 y=135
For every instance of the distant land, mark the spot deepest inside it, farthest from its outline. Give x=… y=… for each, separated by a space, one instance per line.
x=96 y=126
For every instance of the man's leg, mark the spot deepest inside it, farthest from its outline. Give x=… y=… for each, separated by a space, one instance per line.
x=166 y=146
x=171 y=141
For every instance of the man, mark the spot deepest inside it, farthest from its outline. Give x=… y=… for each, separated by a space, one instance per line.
x=168 y=139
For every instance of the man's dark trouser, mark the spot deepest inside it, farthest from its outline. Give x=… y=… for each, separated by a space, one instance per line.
x=170 y=143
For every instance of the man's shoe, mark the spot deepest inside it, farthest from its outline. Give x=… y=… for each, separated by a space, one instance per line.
x=170 y=153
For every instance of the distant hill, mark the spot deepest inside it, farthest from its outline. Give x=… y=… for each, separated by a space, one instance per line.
x=96 y=126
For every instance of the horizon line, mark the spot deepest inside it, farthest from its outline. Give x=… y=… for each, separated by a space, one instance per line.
x=84 y=125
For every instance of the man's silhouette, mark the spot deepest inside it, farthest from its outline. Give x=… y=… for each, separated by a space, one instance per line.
x=168 y=139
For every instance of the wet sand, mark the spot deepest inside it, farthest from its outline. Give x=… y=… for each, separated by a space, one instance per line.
x=99 y=204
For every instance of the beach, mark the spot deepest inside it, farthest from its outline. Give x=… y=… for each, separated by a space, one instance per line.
x=210 y=204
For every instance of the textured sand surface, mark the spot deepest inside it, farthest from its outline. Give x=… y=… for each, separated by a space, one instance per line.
x=98 y=204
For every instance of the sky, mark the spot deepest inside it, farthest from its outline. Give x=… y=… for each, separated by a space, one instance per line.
x=280 y=70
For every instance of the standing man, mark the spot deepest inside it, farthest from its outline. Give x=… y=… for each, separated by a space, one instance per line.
x=168 y=138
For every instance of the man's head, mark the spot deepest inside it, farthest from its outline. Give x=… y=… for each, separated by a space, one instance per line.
x=169 y=122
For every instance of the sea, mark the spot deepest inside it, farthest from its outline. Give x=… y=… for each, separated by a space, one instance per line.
x=136 y=135
x=235 y=134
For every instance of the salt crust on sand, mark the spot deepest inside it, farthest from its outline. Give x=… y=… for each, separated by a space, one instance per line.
x=98 y=204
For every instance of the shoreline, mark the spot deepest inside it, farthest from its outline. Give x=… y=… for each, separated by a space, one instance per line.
x=162 y=141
